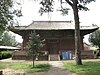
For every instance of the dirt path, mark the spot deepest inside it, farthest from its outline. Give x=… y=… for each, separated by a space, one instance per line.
x=56 y=69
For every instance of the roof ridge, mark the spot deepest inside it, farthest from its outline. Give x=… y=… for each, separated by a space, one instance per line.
x=54 y=21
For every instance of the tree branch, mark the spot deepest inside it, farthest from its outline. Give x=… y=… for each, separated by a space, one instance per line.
x=70 y=3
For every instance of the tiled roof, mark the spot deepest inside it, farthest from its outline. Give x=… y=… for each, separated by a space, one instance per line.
x=53 y=25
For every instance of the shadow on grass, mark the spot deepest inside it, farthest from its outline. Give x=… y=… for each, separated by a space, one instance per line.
x=39 y=68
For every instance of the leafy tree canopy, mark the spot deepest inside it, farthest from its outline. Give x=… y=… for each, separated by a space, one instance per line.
x=47 y=5
x=94 y=38
x=7 y=13
x=7 y=39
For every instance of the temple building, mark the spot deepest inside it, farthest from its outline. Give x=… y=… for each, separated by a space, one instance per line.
x=58 y=35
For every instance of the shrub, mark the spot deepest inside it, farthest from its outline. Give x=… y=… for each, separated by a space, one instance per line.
x=5 y=54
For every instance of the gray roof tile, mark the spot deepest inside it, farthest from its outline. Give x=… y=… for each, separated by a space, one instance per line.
x=53 y=25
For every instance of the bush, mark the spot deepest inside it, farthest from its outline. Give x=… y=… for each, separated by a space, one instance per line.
x=5 y=54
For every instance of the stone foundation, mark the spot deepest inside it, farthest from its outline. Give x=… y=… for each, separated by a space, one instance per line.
x=22 y=55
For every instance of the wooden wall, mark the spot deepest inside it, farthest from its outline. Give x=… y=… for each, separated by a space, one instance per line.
x=63 y=41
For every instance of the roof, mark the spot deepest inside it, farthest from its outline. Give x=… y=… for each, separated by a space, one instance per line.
x=9 y=47
x=53 y=25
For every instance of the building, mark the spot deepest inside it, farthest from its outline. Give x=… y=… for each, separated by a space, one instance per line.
x=58 y=35
x=8 y=48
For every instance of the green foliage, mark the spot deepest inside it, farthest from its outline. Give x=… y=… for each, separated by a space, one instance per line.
x=8 y=39
x=94 y=38
x=5 y=15
x=7 y=12
x=47 y=5
x=34 y=45
x=90 y=67
x=5 y=54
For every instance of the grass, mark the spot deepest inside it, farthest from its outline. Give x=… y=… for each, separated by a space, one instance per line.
x=39 y=68
x=89 y=67
x=24 y=66
x=3 y=66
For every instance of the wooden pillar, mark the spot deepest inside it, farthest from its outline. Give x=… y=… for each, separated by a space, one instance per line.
x=25 y=42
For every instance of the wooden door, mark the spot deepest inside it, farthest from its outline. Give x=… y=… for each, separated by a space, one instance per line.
x=53 y=48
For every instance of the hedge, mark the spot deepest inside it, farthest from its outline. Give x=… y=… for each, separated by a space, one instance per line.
x=5 y=54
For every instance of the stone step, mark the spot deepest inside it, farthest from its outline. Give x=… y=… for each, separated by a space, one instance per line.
x=54 y=57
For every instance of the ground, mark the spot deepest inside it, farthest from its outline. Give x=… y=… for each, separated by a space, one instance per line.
x=56 y=69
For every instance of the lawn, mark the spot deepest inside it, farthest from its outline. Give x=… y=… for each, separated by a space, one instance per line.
x=27 y=67
x=89 y=67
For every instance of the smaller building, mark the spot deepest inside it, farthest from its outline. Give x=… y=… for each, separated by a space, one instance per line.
x=8 y=48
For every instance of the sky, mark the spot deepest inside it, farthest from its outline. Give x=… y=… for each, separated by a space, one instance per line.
x=30 y=13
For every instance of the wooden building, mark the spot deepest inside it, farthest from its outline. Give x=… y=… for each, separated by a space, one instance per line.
x=58 y=35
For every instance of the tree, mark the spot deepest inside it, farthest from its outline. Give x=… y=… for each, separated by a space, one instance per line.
x=34 y=45
x=94 y=38
x=8 y=39
x=7 y=12
x=76 y=5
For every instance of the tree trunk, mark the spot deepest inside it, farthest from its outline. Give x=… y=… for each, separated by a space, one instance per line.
x=33 y=57
x=77 y=34
x=33 y=61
